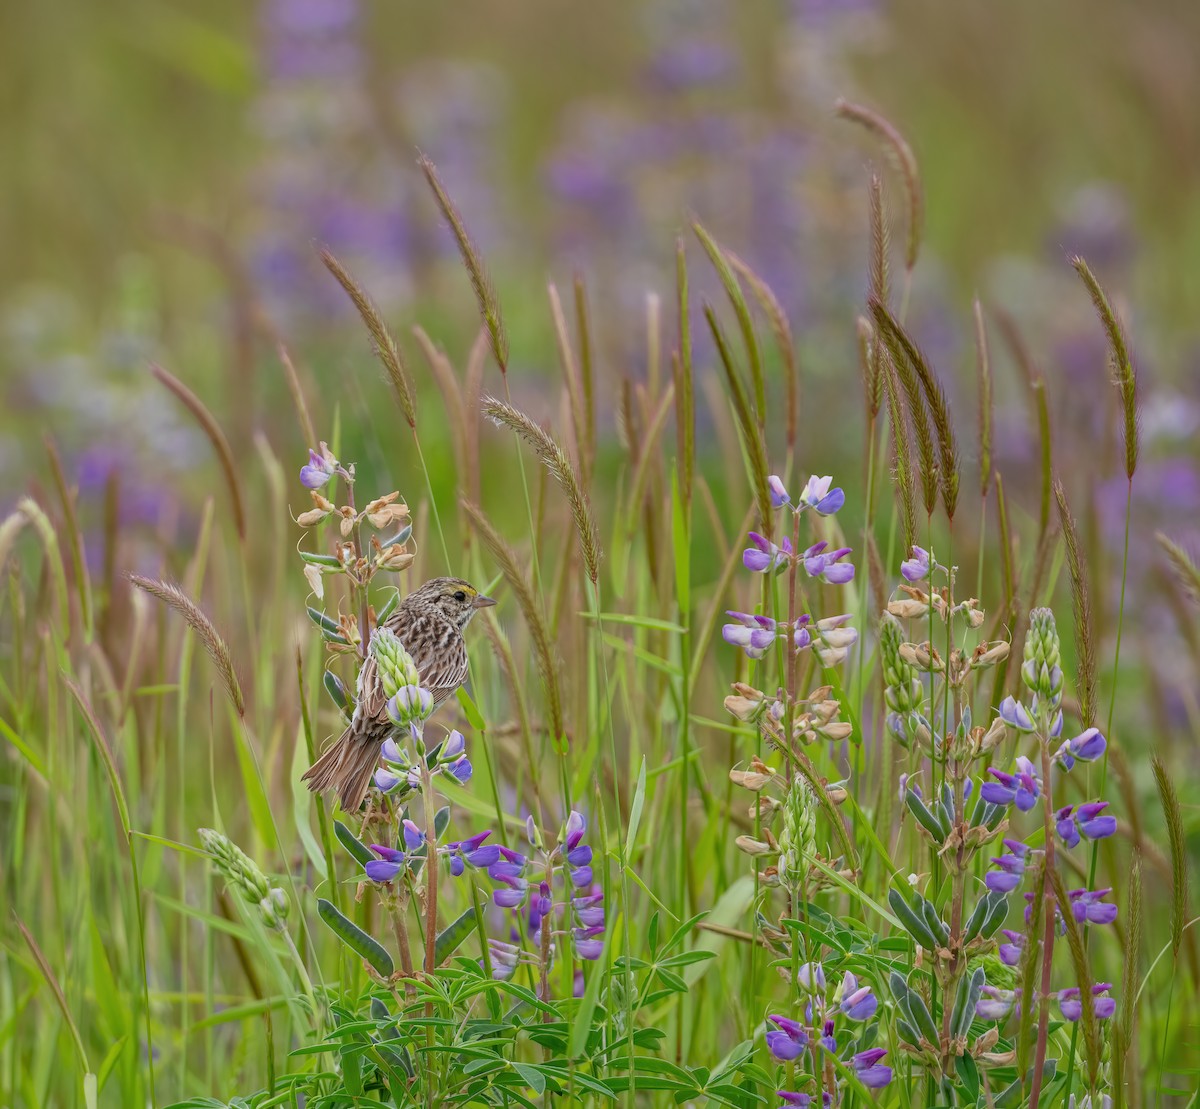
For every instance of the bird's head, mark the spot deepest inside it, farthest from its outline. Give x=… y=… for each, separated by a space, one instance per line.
x=453 y=598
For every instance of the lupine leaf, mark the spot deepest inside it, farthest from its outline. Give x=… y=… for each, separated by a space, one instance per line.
x=355 y=938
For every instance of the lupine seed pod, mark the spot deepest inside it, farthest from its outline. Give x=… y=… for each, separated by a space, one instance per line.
x=337 y=691
x=996 y=915
x=934 y=919
x=975 y=920
x=961 y=1022
x=922 y=1017
x=924 y=817
x=908 y=1033
x=913 y=924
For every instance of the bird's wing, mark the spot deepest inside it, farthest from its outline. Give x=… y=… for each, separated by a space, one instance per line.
x=438 y=651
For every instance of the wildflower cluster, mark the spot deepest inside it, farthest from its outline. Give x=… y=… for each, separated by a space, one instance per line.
x=354 y=558
x=829 y=637
x=827 y=1039
x=567 y=901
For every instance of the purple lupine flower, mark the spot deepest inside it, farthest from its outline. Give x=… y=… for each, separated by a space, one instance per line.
x=385 y=781
x=473 y=852
x=788 y=1098
x=589 y=909
x=828 y=565
x=858 y=1002
x=1071 y=1005
x=453 y=748
x=1071 y=822
x=1086 y=747
x=811 y=977
x=1010 y=953
x=801 y=636
x=1023 y=787
x=1011 y=868
x=1016 y=715
x=869 y=1070
x=789 y=1041
x=765 y=556
x=413 y=836
x=828 y=1039
x=576 y=826
x=318 y=471
x=818 y=495
x=779 y=493
x=509 y=867
x=996 y=1003
x=462 y=769
x=510 y=893
x=387 y=866
x=1089 y=905
x=504 y=957
x=753 y=634
x=918 y=566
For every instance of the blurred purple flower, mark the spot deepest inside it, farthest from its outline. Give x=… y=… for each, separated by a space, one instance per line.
x=818 y=495
x=868 y=1069
x=819 y=564
x=779 y=493
x=387 y=866
x=1085 y=820
x=996 y=1003
x=1023 y=787
x=1010 y=867
x=753 y=634
x=918 y=566
x=1089 y=905
x=789 y=1041
x=765 y=556
x=318 y=471
x=1010 y=953
x=1086 y=747
x=1071 y=1005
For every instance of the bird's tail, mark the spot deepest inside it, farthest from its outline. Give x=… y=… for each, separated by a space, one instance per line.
x=346 y=767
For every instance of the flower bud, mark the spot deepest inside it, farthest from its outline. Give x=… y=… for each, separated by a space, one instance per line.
x=752 y=846
x=396 y=667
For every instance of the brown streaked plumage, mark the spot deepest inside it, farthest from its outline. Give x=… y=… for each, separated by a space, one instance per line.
x=429 y=623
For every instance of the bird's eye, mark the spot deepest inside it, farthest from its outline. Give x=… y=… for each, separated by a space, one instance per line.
x=460 y=596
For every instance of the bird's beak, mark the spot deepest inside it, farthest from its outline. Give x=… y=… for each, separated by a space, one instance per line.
x=482 y=602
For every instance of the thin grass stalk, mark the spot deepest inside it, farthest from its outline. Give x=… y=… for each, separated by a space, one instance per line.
x=905 y=352
x=218 y=651
x=681 y=365
x=1123 y=1039
x=66 y=499
x=518 y=581
x=902 y=469
x=1125 y=376
x=756 y=458
x=1085 y=642
x=1183 y=566
x=570 y=371
x=481 y=284
x=210 y=427
x=297 y=392
x=781 y=329
x=905 y=161
x=385 y=346
x=583 y=329
x=560 y=467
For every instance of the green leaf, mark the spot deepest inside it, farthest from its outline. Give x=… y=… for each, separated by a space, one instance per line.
x=532 y=1077
x=302 y=800
x=358 y=850
x=451 y=938
x=968 y=1073
x=355 y=938
x=635 y=809
x=471 y=711
x=321 y=559
x=389 y=606
x=581 y=1025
